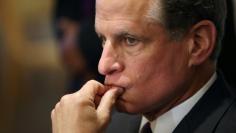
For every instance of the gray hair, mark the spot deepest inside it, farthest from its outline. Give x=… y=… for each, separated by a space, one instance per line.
x=179 y=15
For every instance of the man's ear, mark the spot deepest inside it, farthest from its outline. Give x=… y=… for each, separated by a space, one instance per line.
x=203 y=38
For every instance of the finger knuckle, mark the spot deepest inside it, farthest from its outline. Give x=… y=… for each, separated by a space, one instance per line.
x=65 y=99
x=92 y=81
x=57 y=105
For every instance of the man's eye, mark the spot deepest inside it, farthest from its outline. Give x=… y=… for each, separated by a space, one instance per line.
x=131 y=41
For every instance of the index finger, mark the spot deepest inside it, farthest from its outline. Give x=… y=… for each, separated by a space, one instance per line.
x=91 y=89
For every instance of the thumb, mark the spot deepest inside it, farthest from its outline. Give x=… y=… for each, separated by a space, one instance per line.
x=107 y=102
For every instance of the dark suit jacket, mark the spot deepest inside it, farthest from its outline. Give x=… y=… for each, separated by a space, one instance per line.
x=215 y=112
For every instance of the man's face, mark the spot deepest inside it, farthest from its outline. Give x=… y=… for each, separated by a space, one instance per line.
x=139 y=57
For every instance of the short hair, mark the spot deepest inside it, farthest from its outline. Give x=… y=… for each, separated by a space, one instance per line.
x=179 y=15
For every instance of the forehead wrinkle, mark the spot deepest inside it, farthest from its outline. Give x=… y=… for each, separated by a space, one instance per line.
x=104 y=26
x=119 y=26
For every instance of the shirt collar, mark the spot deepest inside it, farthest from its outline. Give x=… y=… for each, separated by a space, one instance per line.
x=167 y=122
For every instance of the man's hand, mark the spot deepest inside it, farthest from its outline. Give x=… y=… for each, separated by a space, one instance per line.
x=86 y=111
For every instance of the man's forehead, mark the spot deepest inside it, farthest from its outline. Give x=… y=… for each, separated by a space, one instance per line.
x=124 y=7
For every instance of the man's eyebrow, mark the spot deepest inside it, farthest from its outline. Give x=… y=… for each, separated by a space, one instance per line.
x=121 y=32
x=126 y=33
x=117 y=34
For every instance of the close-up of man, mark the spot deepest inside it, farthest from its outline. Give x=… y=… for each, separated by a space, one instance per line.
x=159 y=61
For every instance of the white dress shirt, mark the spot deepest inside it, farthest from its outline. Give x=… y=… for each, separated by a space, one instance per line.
x=167 y=122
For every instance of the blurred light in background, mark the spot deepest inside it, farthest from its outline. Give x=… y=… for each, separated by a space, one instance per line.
x=31 y=76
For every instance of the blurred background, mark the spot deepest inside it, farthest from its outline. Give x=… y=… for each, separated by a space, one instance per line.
x=45 y=52
x=48 y=48
x=31 y=76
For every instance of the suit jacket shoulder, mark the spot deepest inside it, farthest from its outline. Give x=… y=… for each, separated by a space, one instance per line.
x=215 y=112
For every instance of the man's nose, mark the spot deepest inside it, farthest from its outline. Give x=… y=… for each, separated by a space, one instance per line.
x=109 y=63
